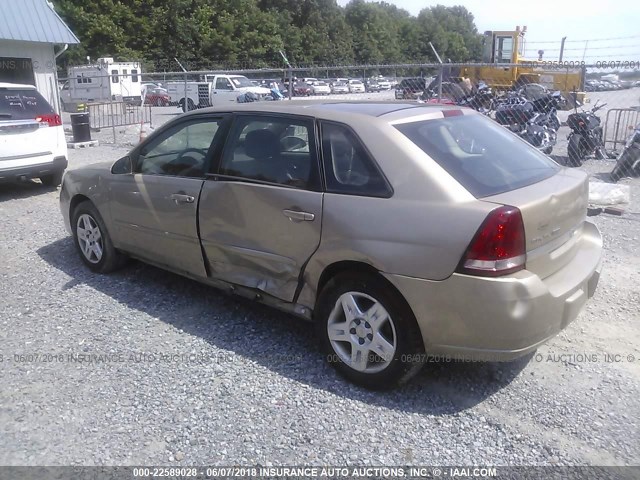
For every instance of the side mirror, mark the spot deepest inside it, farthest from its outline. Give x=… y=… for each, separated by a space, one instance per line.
x=122 y=166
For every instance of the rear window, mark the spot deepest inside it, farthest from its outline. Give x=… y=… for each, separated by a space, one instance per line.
x=480 y=154
x=22 y=104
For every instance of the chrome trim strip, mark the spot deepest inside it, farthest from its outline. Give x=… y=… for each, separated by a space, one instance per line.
x=549 y=247
x=28 y=155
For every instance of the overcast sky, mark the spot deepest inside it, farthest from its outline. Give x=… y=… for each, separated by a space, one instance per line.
x=550 y=20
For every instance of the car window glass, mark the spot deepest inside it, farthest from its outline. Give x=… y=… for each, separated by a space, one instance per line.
x=223 y=84
x=273 y=150
x=180 y=151
x=480 y=154
x=348 y=166
x=22 y=104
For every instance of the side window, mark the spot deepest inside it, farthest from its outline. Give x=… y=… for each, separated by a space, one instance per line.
x=223 y=84
x=114 y=76
x=134 y=76
x=504 y=49
x=272 y=149
x=180 y=151
x=347 y=165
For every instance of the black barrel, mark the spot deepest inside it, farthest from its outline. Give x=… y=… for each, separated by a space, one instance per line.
x=80 y=127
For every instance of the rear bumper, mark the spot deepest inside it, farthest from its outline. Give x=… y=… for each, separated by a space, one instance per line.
x=59 y=164
x=503 y=318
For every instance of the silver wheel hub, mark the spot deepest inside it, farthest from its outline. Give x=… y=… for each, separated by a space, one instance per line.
x=362 y=333
x=89 y=238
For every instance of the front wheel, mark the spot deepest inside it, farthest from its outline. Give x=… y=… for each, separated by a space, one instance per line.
x=575 y=150
x=92 y=240
x=368 y=333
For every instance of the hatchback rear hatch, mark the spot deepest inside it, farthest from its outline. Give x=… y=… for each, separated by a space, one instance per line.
x=498 y=167
x=26 y=119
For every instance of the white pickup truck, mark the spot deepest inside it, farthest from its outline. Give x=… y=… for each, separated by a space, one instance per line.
x=215 y=89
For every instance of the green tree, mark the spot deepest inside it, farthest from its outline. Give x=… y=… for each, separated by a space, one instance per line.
x=205 y=34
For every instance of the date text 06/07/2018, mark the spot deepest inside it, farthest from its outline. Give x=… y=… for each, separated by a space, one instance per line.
x=572 y=64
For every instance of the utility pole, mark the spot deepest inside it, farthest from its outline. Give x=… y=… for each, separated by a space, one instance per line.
x=586 y=44
x=441 y=71
x=290 y=68
x=562 y=48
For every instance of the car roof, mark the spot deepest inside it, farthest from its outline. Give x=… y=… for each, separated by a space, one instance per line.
x=335 y=110
x=17 y=85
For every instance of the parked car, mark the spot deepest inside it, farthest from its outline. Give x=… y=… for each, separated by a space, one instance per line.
x=411 y=88
x=320 y=88
x=611 y=85
x=340 y=87
x=272 y=83
x=302 y=89
x=499 y=256
x=32 y=141
x=356 y=86
x=372 y=86
x=157 y=96
x=591 y=86
x=384 y=84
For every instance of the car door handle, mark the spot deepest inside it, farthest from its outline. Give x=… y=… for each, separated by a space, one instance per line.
x=182 y=198
x=296 y=215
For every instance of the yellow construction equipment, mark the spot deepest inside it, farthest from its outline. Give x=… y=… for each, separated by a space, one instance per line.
x=506 y=47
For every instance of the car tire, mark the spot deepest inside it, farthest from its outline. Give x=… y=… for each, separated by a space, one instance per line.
x=397 y=335
x=85 y=217
x=52 y=180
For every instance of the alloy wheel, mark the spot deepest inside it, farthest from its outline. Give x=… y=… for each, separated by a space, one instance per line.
x=89 y=238
x=362 y=333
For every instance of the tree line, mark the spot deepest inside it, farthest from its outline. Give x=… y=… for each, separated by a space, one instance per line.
x=204 y=34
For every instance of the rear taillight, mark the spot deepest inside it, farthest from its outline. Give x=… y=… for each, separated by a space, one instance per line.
x=52 y=119
x=498 y=247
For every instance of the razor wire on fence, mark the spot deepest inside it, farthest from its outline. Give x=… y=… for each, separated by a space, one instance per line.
x=570 y=110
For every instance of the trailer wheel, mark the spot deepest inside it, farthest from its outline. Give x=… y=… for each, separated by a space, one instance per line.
x=190 y=105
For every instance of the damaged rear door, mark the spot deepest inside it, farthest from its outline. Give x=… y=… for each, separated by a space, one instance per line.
x=261 y=211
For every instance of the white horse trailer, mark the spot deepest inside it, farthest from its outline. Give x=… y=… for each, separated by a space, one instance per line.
x=106 y=81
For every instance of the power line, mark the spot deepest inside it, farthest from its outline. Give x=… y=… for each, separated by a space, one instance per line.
x=612 y=47
x=582 y=41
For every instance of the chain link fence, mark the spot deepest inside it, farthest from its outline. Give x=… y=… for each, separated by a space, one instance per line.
x=571 y=111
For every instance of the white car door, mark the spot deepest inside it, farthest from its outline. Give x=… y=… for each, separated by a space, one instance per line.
x=223 y=91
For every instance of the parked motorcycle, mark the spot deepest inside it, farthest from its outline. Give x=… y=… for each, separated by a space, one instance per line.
x=481 y=100
x=536 y=121
x=629 y=159
x=586 y=135
x=453 y=94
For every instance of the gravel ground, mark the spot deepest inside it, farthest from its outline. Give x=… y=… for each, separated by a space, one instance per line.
x=191 y=376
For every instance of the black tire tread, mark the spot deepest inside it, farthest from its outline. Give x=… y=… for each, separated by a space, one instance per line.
x=574 y=151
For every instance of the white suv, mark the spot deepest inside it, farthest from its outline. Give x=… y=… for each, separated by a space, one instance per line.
x=32 y=141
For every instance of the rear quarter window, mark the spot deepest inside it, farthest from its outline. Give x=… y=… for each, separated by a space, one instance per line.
x=481 y=155
x=22 y=104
